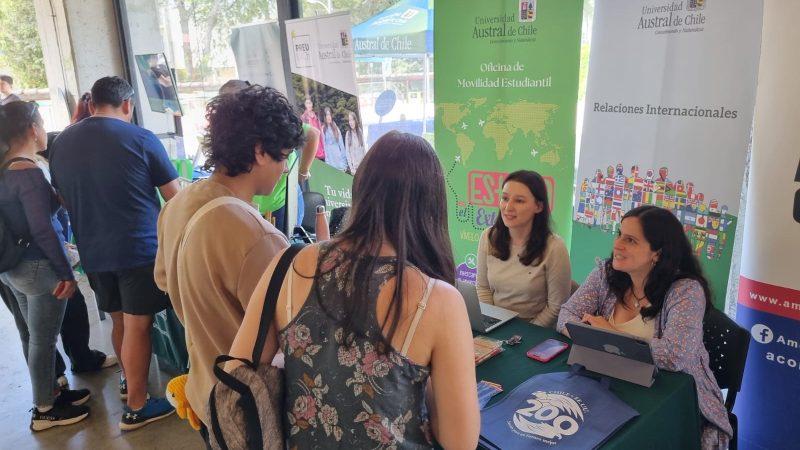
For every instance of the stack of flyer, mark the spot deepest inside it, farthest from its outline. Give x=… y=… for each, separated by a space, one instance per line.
x=486 y=347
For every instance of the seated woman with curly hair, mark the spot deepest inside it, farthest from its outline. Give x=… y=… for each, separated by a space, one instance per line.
x=652 y=287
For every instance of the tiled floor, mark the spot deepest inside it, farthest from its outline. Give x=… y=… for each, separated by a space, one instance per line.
x=100 y=429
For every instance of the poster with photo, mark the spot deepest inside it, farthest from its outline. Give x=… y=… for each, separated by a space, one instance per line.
x=323 y=79
x=159 y=83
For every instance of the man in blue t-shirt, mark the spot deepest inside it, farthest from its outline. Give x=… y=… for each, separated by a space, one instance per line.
x=107 y=170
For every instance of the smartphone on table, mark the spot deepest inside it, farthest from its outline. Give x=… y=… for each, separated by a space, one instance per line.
x=547 y=350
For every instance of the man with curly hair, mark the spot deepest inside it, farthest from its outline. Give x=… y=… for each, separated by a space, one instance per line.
x=213 y=244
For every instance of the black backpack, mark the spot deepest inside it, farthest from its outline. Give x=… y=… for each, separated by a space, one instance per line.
x=11 y=247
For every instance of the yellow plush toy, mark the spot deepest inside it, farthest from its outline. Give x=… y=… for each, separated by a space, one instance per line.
x=177 y=398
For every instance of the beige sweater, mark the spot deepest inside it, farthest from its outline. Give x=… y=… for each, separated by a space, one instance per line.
x=226 y=254
x=536 y=293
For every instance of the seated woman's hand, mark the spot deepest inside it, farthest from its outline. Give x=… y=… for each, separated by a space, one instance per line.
x=597 y=321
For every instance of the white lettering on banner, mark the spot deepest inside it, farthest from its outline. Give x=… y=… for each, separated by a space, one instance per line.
x=782 y=360
x=551 y=415
x=794 y=306
x=764 y=335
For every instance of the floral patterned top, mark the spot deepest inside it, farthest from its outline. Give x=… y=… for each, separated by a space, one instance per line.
x=343 y=391
x=677 y=344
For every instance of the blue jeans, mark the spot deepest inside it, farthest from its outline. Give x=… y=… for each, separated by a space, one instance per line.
x=32 y=283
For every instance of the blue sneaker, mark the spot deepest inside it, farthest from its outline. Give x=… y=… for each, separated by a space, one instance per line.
x=153 y=409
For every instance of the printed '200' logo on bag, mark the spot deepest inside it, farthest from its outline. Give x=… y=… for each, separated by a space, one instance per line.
x=551 y=415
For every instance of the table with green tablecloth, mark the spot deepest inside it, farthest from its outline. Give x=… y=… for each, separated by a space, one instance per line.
x=668 y=409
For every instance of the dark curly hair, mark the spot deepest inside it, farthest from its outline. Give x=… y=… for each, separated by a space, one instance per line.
x=676 y=261
x=238 y=121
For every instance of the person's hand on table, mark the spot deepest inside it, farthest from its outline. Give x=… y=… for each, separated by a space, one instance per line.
x=597 y=321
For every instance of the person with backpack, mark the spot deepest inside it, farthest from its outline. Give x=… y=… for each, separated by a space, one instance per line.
x=42 y=279
x=376 y=343
x=213 y=245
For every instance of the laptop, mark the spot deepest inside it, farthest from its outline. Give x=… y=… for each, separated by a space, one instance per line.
x=482 y=317
x=612 y=353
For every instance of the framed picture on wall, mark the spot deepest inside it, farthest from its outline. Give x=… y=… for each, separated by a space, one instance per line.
x=159 y=83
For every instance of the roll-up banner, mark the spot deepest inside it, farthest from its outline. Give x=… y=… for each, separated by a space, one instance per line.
x=668 y=113
x=257 y=50
x=324 y=83
x=769 y=282
x=506 y=92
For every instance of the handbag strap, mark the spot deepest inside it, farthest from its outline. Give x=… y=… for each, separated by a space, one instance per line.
x=271 y=300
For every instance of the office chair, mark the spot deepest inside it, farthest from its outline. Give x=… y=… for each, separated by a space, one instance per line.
x=727 y=344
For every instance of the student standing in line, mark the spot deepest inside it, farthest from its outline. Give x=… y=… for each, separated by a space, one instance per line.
x=43 y=279
x=108 y=171
x=251 y=133
x=373 y=320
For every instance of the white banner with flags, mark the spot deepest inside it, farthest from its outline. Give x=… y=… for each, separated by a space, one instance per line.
x=668 y=113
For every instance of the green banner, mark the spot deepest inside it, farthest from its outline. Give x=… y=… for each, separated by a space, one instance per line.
x=506 y=91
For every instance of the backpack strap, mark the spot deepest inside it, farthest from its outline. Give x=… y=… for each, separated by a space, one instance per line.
x=271 y=300
x=12 y=161
x=205 y=209
x=420 y=309
x=246 y=399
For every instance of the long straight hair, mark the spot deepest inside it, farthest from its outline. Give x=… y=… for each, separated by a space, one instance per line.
x=676 y=261
x=336 y=132
x=357 y=130
x=398 y=198
x=499 y=236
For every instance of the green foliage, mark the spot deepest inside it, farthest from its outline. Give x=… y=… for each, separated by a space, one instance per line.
x=208 y=24
x=360 y=10
x=20 y=47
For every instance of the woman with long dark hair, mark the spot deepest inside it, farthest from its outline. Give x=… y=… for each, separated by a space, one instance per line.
x=372 y=319
x=522 y=265
x=335 y=153
x=43 y=278
x=354 y=141
x=652 y=286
